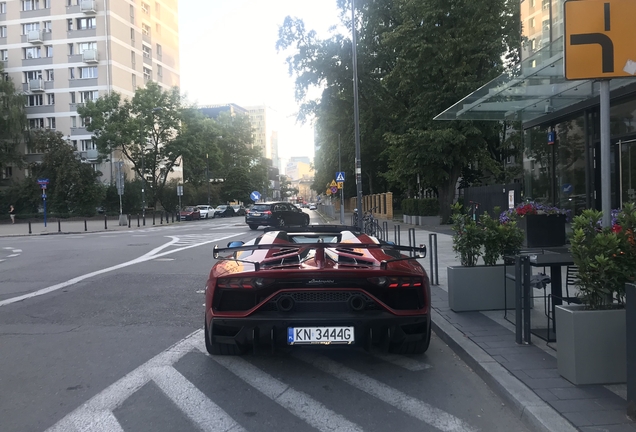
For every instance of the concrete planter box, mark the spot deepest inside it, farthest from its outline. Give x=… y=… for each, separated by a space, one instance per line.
x=591 y=345
x=404 y=217
x=479 y=288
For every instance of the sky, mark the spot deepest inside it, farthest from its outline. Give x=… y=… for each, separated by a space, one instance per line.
x=228 y=55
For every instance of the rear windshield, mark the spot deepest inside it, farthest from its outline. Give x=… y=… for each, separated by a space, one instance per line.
x=260 y=207
x=222 y=207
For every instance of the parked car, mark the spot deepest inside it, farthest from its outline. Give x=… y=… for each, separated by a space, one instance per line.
x=206 y=211
x=239 y=210
x=224 y=211
x=277 y=214
x=312 y=206
x=190 y=213
x=317 y=285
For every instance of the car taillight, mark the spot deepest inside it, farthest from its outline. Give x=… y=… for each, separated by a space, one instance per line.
x=396 y=282
x=267 y=212
x=244 y=283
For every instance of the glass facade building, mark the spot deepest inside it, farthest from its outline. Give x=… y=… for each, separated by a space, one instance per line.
x=564 y=171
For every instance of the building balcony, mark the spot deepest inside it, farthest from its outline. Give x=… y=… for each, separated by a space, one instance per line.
x=88 y=6
x=35 y=37
x=89 y=155
x=36 y=85
x=90 y=56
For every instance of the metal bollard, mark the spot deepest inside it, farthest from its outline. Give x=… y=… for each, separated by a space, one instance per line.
x=105 y=222
x=85 y=226
x=432 y=251
x=59 y=225
x=30 y=232
x=137 y=220
x=412 y=240
x=630 y=322
x=385 y=231
x=143 y=219
x=153 y=218
x=172 y=217
x=167 y=218
x=129 y=218
x=161 y=218
x=396 y=234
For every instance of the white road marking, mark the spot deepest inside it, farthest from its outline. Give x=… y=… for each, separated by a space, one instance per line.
x=298 y=403
x=16 y=250
x=153 y=254
x=192 y=402
x=410 y=405
x=140 y=235
x=2 y=260
x=13 y=255
x=113 y=396
x=404 y=362
x=7 y=248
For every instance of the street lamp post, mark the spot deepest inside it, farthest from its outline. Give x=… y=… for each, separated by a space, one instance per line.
x=207 y=174
x=356 y=115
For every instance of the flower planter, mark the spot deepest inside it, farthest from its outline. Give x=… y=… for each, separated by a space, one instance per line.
x=479 y=288
x=591 y=345
x=542 y=230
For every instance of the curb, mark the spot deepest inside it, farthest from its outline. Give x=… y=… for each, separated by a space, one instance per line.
x=533 y=410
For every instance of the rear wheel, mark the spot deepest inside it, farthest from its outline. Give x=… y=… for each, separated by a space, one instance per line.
x=306 y=221
x=217 y=348
x=253 y=227
x=280 y=222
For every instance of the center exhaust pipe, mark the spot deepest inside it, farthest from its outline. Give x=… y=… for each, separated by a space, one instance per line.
x=285 y=303
x=357 y=303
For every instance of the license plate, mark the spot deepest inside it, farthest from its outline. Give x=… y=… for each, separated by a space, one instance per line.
x=254 y=214
x=320 y=335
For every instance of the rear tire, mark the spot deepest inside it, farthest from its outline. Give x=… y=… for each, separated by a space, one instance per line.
x=253 y=227
x=280 y=222
x=306 y=222
x=219 y=349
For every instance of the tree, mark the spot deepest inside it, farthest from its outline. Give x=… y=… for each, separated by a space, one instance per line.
x=73 y=186
x=152 y=131
x=12 y=123
x=286 y=188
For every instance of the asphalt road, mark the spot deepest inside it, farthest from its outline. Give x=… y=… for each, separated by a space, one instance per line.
x=107 y=337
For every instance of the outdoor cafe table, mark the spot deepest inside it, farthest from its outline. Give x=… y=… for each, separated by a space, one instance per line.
x=523 y=264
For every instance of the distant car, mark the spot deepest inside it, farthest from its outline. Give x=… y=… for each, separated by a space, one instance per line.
x=277 y=214
x=312 y=206
x=190 y=213
x=206 y=211
x=224 y=211
x=239 y=210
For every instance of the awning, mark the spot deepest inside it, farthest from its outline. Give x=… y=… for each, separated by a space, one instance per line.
x=535 y=88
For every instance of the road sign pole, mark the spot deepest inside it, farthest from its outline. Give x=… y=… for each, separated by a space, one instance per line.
x=356 y=116
x=606 y=184
x=44 y=205
x=342 y=203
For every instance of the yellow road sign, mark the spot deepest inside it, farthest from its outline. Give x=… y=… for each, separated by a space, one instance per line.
x=328 y=191
x=340 y=185
x=599 y=39
x=333 y=183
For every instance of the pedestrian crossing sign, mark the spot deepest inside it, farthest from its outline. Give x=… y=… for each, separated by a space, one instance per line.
x=340 y=176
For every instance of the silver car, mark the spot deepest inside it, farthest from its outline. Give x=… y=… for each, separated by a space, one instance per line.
x=206 y=211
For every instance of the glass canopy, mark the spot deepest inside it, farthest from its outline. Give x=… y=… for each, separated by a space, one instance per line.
x=535 y=88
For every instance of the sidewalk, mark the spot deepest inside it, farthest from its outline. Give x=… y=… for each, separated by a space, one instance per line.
x=525 y=376
x=77 y=226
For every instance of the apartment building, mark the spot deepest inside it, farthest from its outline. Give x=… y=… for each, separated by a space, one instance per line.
x=63 y=53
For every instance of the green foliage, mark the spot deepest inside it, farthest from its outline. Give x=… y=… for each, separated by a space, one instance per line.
x=420 y=207
x=286 y=188
x=500 y=239
x=468 y=238
x=12 y=123
x=604 y=257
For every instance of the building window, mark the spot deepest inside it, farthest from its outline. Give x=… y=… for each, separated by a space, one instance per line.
x=48 y=50
x=145 y=8
x=88 y=72
x=159 y=52
x=83 y=46
x=47 y=26
x=546 y=25
x=49 y=74
x=8 y=172
x=72 y=94
x=145 y=29
x=533 y=44
x=34 y=100
x=132 y=14
x=26 y=28
x=50 y=122
x=157 y=9
x=31 y=52
x=147 y=74
x=134 y=81
x=50 y=99
x=86 y=96
x=3 y=31
x=74 y=122
x=32 y=75
x=71 y=73
x=86 y=23
x=531 y=3
x=158 y=28
x=4 y=55
x=3 y=7
x=531 y=22
x=29 y=5
x=36 y=123
x=69 y=24
x=47 y=4
x=133 y=60
x=87 y=144
x=147 y=51
x=159 y=70
x=85 y=121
